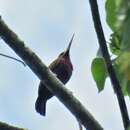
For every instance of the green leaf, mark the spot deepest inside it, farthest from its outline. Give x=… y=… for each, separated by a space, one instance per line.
x=128 y=128
x=116 y=12
x=115 y=44
x=122 y=68
x=118 y=19
x=99 y=72
x=123 y=62
x=125 y=32
x=124 y=83
x=111 y=17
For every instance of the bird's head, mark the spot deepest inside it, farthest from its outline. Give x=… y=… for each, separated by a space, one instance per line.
x=66 y=54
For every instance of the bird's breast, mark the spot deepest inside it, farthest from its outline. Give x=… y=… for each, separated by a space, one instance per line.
x=63 y=71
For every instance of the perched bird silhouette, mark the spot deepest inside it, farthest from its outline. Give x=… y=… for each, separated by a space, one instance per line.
x=63 y=68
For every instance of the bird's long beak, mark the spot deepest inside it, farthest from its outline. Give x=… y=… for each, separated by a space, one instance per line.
x=69 y=46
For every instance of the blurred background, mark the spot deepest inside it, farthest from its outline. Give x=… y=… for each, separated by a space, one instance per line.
x=46 y=26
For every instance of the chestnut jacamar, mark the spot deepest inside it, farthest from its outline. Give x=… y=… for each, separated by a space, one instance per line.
x=63 y=68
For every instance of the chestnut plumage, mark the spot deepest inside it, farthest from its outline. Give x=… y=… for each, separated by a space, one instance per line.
x=63 y=68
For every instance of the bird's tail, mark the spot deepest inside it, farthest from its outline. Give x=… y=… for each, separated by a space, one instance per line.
x=40 y=105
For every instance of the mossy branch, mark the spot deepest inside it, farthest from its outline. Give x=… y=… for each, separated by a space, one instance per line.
x=5 y=126
x=48 y=78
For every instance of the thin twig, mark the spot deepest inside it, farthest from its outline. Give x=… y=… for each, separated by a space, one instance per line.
x=105 y=53
x=1 y=54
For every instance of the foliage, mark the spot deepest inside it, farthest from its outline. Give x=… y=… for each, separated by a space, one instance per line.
x=128 y=128
x=118 y=19
x=99 y=72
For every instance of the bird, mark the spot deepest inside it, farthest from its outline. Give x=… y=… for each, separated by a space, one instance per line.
x=62 y=67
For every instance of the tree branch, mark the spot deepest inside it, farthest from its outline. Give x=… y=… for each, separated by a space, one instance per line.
x=106 y=56
x=48 y=78
x=4 y=126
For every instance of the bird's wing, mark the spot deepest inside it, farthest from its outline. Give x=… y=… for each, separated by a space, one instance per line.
x=54 y=65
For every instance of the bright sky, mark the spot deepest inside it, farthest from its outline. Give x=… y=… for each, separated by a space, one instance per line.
x=46 y=26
